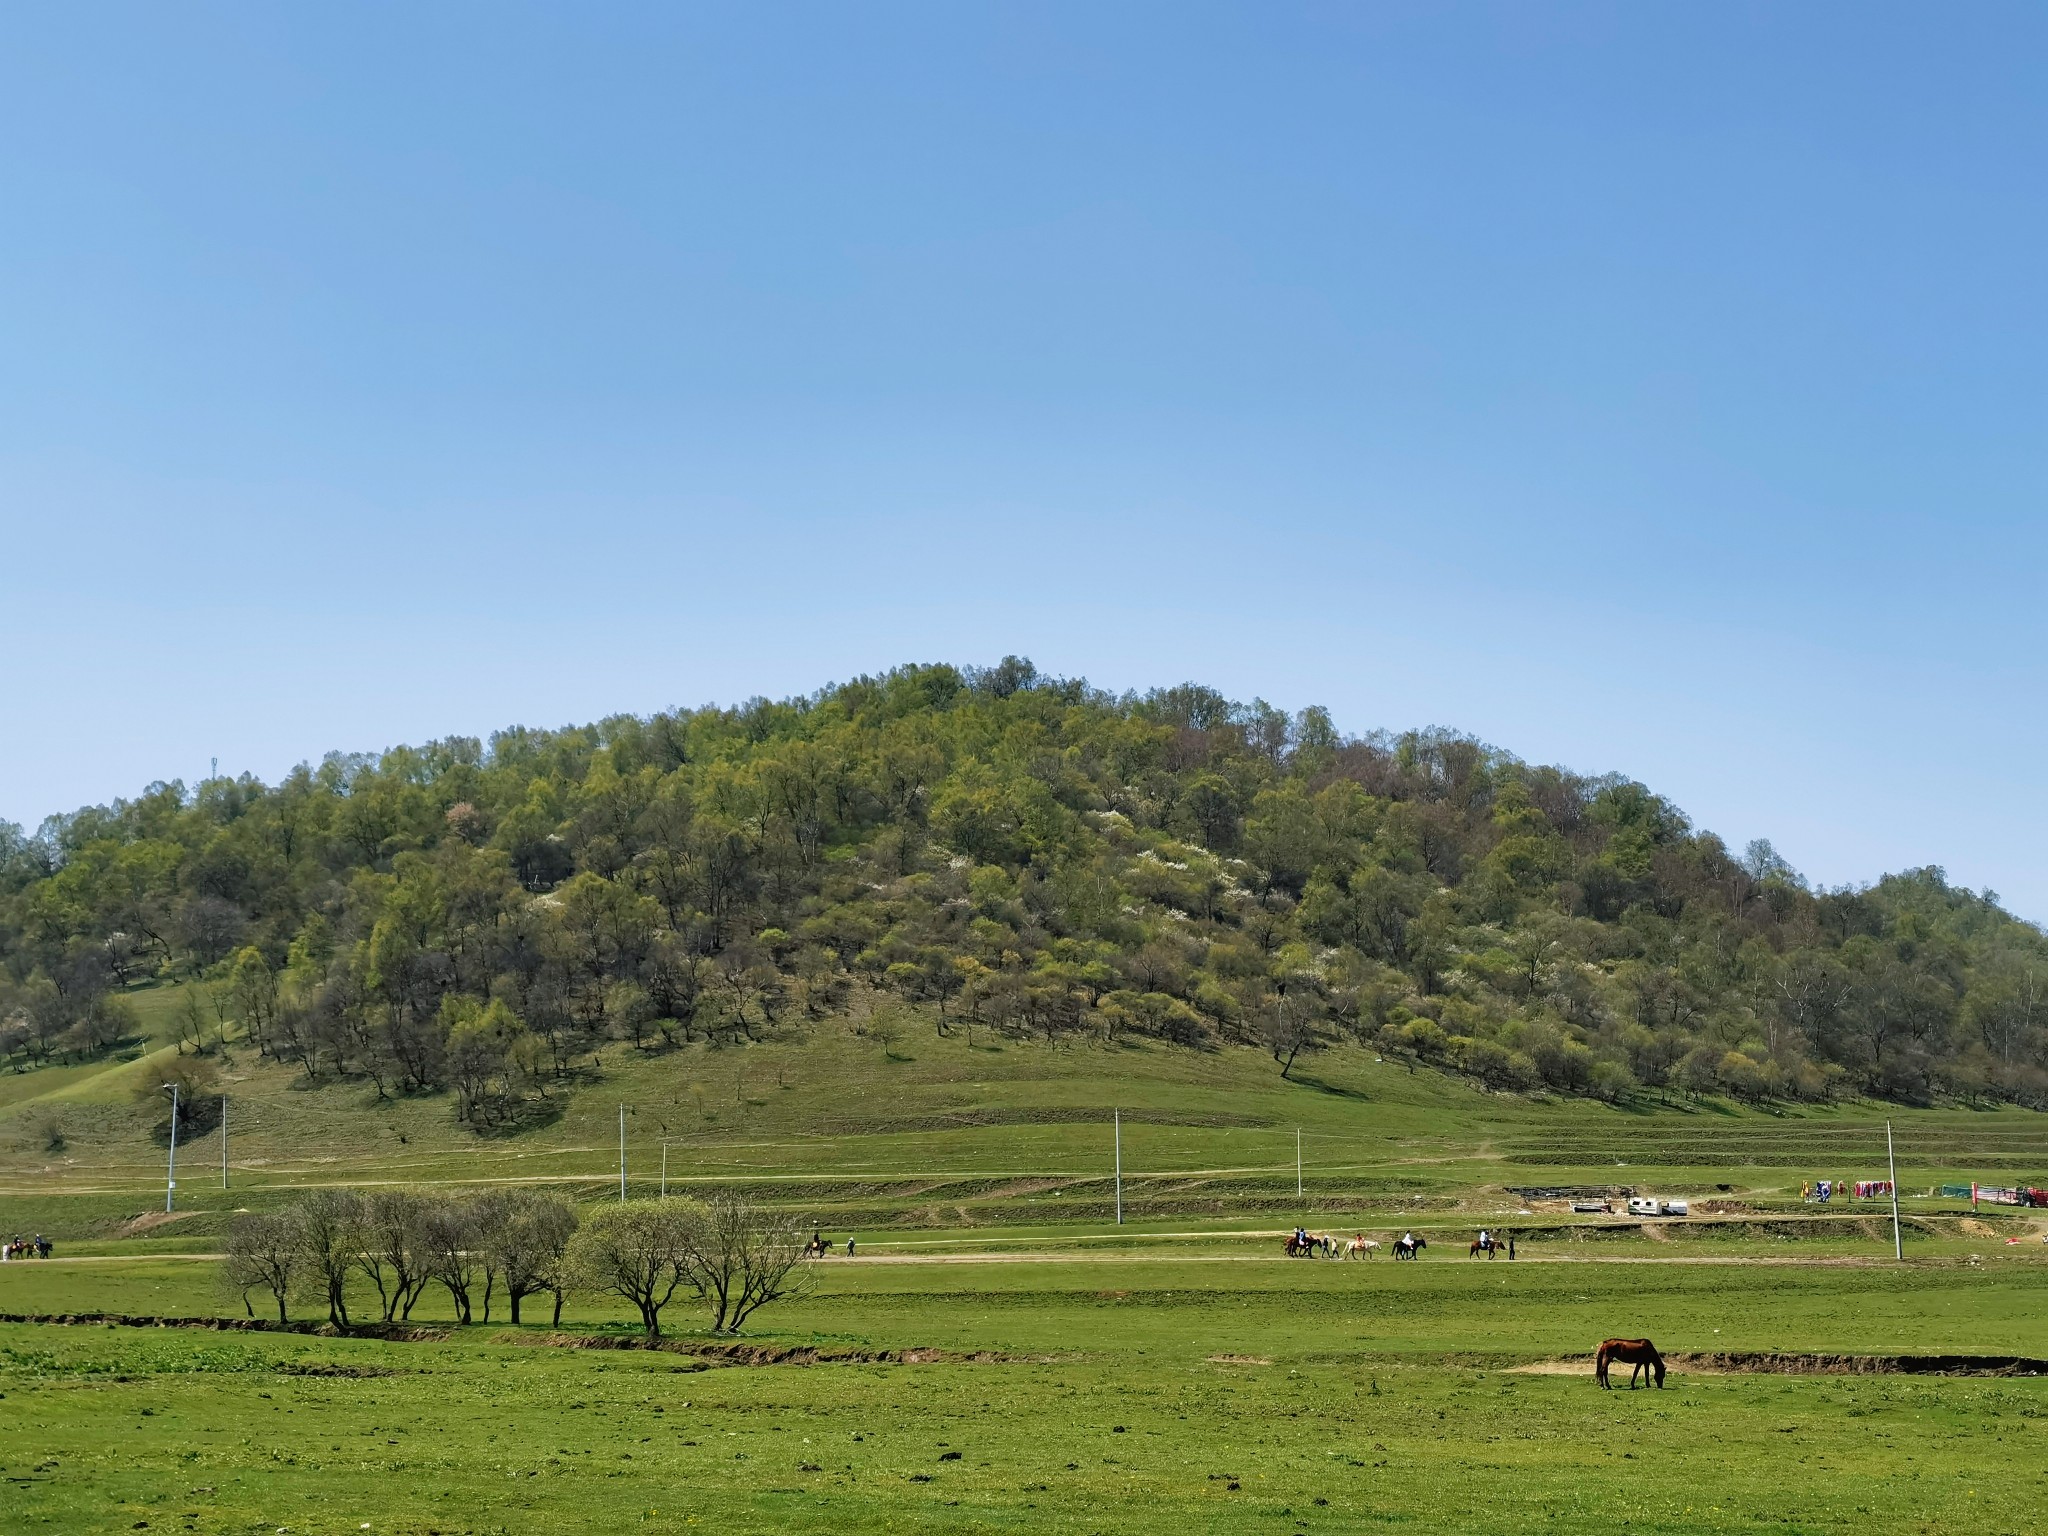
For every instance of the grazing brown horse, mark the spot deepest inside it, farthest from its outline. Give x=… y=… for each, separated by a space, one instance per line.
x=1639 y=1353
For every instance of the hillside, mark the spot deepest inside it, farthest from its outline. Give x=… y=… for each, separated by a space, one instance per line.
x=1016 y=861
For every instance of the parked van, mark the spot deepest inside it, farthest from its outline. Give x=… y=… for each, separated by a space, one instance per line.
x=1643 y=1205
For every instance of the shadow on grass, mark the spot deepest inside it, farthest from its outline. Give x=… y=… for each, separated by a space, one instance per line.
x=532 y=1115
x=1335 y=1090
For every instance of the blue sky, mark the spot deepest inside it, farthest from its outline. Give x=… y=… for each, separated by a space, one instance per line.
x=1649 y=388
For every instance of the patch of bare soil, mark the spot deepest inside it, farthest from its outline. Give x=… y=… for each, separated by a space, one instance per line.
x=1015 y=1188
x=1771 y=1363
x=148 y=1221
x=708 y=1353
x=1240 y=1359
x=394 y=1333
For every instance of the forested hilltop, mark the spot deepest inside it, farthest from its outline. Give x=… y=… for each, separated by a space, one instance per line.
x=1016 y=853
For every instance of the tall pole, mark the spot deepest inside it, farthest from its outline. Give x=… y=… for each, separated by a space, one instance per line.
x=1297 y=1167
x=664 y=1168
x=1119 y=1123
x=622 y=1154
x=1891 y=1158
x=223 y=1141
x=171 y=1170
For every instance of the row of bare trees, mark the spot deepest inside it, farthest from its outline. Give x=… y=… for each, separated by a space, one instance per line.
x=732 y=1255
x=509 y=1243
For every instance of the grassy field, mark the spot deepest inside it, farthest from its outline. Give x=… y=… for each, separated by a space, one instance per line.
x=1129 y=1395
x=1171 y=1373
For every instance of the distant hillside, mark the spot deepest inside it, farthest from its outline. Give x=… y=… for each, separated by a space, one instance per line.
x=1016 y=853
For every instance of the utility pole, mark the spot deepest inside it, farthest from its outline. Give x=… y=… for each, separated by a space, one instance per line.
x=664 y=1167
x=1297 y=1168
x=171 y=1171
x=1118 y=1121
x=622 y=1154
x=1891 y=1158
x=223 y=1141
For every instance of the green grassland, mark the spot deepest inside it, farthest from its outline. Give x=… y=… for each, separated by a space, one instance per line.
x=948 y=1130
x=1129 y=1396
x=1171 y=1373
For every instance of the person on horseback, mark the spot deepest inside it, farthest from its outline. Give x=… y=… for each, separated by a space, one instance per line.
x=1485 y=1242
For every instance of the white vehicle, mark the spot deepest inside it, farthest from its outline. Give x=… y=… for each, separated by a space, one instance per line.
x=1643 y=1205
x=1677 y=1208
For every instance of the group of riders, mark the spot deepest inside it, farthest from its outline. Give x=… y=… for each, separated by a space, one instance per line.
x=1303 y=1243
x=37 y=1247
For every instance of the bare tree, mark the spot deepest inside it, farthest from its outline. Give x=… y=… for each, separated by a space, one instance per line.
x=330 y=1226
x=885 y=1032
x=1290 y=1023
x=524 y=1236
x=635 y=1250
x=394 y=1249
x=449 y=1244
x=197 y=1099
x=265 y=1250
x=740 y=1256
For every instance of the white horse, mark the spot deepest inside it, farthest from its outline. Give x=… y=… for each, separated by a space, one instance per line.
x=1360 y=1248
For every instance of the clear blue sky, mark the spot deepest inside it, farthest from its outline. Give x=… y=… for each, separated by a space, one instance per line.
x=1651 y=388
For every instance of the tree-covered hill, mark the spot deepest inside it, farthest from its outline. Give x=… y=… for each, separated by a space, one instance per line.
x=1016 y=853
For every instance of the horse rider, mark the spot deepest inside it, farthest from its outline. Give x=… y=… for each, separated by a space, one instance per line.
x=1301 y=1237
x=1485 y=1242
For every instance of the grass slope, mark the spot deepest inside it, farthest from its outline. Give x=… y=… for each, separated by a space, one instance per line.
x=942 y=1130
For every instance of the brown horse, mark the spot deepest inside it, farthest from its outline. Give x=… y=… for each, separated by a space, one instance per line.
x=1639 y=1353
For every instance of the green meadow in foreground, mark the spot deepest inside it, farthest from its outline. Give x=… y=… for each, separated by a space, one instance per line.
x=1206 y=1391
